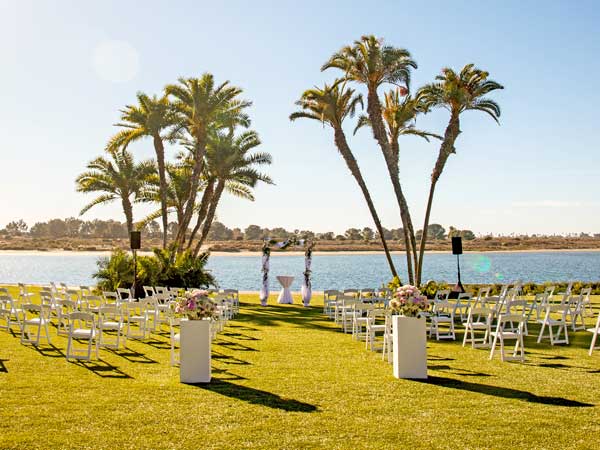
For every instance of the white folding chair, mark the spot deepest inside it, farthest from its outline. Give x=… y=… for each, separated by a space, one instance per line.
x=478 y=320
x=235 y=295
x=594 y=332
x=481 y=299
x=373 y=328
x=137 y=319
x=518 y=307
x=82 y=327
x=360 y=320
x=501 y=334
x=34 y=317
x=330 y=296
x=559 y=322
x=124 y=295
x=9 y=311
x=442 y=314
x=148 y=291
x=67 y=307
x=110 y=318
x=586 y=302
x=575 y=311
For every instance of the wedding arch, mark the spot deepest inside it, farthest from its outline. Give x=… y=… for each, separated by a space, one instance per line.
x=268 y=244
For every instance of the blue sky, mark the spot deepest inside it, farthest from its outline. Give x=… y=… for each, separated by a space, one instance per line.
x=537 y=172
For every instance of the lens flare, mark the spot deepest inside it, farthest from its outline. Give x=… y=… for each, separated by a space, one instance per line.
x=482 y=264
x=499 y=276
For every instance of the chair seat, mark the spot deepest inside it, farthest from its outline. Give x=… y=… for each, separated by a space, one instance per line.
x=441 y=319
x=82 y=333
x=137 y=318
x=177 y=337
x=111 y=325
x=477 y=325
x=506 y=335
x=593 y=330
x=35 y=321
x=377 y=327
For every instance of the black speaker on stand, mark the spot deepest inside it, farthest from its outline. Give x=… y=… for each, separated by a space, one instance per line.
x=135 y=241
x=457 y=250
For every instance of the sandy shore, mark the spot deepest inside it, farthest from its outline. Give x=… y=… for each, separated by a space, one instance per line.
x=291 y=253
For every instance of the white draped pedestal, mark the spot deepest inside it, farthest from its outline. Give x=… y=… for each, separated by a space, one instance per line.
x=285 y=296
x=410 y=347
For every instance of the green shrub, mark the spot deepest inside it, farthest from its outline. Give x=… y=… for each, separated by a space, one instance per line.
x=163 y=268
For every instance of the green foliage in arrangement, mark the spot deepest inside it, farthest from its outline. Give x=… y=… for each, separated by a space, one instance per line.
x=164 y=268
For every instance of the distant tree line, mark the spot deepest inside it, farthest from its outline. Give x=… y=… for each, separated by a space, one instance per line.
x=77 y=228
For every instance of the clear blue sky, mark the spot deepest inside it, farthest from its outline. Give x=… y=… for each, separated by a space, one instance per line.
x=537 y=172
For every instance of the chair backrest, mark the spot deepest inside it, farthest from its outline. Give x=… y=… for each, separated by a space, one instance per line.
x=476 y=313
x=443 y=308
x=85 y=290
x=549 y=290
x=148 y=291
x=503 y=290
x=73 y=295
x=235 y=292
x=464 y=298
x=110 y=297
x=585 y=293
x=367 y=292
x=517 y=307
x=516 y=321
x=124 y=294
x=111 y=313
x=484 y=292
x=442 y=294
x=80 y=319
x=351 y=292
x=33 y=310
x=331 y=294
x=160 y=290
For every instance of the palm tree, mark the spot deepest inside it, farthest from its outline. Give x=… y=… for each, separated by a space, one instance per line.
x=233 y=166
x=457 y=93
x=119 y=179
x=371 y=63
x=332 y=105
x=204 y=108
x=152 y=117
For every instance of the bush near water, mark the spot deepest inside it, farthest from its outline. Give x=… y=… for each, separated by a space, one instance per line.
x=163 y=268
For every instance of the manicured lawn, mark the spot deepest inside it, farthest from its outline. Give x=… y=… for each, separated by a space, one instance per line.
x=285 y=377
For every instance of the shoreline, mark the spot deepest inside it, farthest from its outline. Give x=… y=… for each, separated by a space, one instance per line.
x=294 y=253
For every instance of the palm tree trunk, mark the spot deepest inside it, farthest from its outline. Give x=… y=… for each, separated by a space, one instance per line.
x=380 y=135
x=204 y=203
x=160 y=160
x=446 y=149
x=199 y=153
x=210 y=215
x=410 y=242
x=128 y=210
x=344 y=149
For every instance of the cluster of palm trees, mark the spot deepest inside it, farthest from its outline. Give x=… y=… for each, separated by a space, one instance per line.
x=208 y=124
x=369 y=63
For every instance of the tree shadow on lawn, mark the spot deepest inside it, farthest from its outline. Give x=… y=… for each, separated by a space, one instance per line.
x=459 y=371
x=228 y=359
x=235 y=346
x=277 y=315
x=102 y=369
x=240 y=336
x=3 y=368
x=256 y=396
x=503 y=392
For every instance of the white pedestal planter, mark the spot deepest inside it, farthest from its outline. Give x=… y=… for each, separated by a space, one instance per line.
x=410 y=347
x=194 y=351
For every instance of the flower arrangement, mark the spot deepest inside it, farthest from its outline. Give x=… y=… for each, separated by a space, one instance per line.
x=196 y=306
x=408 y=301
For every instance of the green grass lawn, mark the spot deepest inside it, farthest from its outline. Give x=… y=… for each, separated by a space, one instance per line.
x=285 y=377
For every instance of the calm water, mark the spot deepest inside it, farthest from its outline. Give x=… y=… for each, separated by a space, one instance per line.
x=329 y=271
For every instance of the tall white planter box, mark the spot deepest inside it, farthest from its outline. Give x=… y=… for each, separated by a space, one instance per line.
x=194 y=351
x=410 y=347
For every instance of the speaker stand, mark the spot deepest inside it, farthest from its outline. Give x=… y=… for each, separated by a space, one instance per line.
x=458 y=287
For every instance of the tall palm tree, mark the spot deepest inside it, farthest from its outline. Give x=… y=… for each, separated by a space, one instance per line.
x=331 y=105
x=204 y=108
x=371 y=63
x=152 y=117
x=457 y=93
x=119 y=179
x=232 y=164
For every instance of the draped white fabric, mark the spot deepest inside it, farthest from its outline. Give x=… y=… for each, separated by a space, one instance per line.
x=306 y=285
x=285 y=296
x=264 y=291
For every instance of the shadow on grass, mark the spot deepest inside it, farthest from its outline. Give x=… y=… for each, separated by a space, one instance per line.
x=133 y=356
x=49 y=350
x=236 y=346
x=256 y=396
x=102 y=369
x=503 y=392
x=459 y=371
x=228 y=359
x=160 y=345
x=3 y=368
x=240 y=336
x=277 y=315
